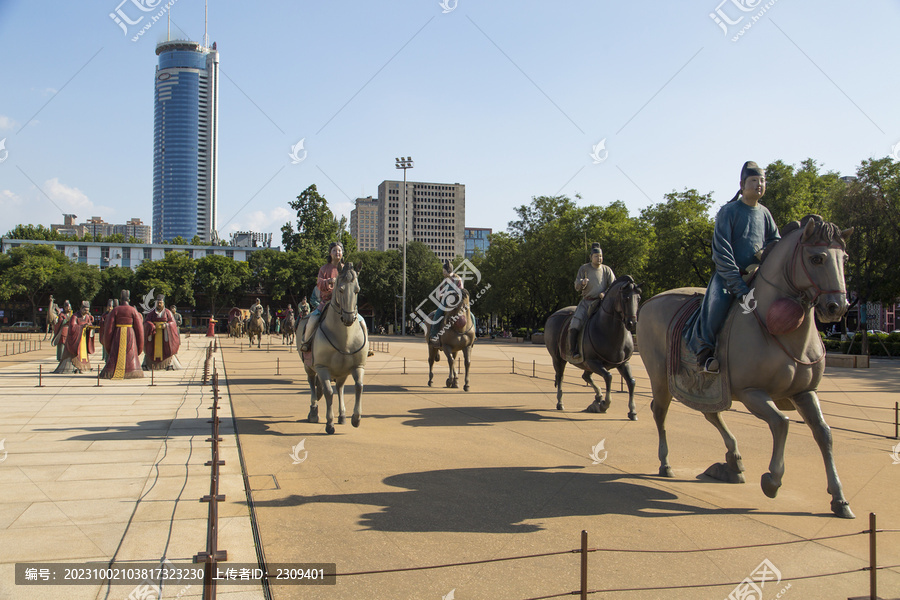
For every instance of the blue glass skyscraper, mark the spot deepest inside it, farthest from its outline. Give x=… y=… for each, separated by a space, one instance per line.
x=185 y=140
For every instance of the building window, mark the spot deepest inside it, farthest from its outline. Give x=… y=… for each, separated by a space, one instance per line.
x=146 y=253
x=229 y=254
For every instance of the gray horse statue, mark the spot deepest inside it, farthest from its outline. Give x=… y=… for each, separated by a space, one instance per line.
x=340 y=347
x=607 y=342
x=456 y=335
x=256 y=326
x=768 y=366
x=287 y=329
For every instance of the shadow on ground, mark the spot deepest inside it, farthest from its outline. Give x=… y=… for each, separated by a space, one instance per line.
x=501 y=500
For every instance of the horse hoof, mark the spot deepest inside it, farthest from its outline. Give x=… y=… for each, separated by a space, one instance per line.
x=354 y=420
x=734 y=462
x=841 y=508
x=596 y=408
x=429 y=383
x=632 y=416
x=341 y=419
x=666 y=471
x=313 y=416
x=466 y=388
x=329 y=429
x=768 y=485
x=448 y=383
x=455 y=385
x=721 y=472
x=559 y=406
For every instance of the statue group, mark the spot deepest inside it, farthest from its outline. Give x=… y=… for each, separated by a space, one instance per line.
x=124 y=334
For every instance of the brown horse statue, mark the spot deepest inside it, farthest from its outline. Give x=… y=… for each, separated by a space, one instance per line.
x=767 y=372
x=607 y=342
x=457 y=334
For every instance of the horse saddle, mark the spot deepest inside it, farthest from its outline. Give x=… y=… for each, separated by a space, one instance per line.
x=688 y=383
x=563 y=343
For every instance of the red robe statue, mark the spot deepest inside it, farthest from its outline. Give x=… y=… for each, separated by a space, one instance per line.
x=123 y=338
x=80 y=341
x=161 y=340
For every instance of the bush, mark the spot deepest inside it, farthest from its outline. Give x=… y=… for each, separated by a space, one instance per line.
x=522 y=332
x=879 y=345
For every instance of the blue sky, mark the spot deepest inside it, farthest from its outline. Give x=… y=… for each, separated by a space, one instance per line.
x=509 y=98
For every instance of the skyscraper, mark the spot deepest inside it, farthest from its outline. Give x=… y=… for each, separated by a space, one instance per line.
x=435 y=215
x=185 y=141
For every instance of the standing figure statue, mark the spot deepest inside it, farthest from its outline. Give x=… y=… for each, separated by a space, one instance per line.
x=744 y=228
x=211 y=329
x=161 y=338
x=80 y=343
x=179 y=321
x=328 y=275
x=61 y=330
x=593 y=280
x=123 y=337
x=110 y=305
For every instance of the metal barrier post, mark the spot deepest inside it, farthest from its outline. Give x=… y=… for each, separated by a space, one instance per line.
x=151 y=377
x=514 y=365
x=404 y=365
x=278 y=366
x=532 y=367
x=897 y=420
x=40 y=375
x=98 y=378
x=584 y=564
x=873 y=560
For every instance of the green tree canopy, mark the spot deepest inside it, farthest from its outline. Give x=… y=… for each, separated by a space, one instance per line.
x=219 y=278
x=792 y=193
x=76 y=282
x=317 y=226
x=28 y=271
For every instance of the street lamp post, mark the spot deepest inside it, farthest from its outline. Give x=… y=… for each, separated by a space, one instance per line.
x=404 y=163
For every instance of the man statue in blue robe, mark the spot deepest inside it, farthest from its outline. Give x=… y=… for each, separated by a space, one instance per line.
x=744 y=228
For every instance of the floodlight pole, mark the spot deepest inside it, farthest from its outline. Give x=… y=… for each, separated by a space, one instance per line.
x=404 y=163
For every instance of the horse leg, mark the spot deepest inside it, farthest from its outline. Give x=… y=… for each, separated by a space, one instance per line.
x=342 y=410
x=451 y=379
x=358 y=376
x=595 y=366
x=431 y=354
x=731 y=471
x=807 y=405
x=325 y=380
x=466 y=360
x=559 y=367
x=315 y=393
x=625 y=372
x=761 y=405
x=660 y=408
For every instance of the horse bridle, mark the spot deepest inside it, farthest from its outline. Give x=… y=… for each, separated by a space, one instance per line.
x=624 y=318
x=791 y=267
x=339 y=304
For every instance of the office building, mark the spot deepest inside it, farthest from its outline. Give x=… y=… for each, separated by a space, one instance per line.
x=435 y=215
x=185 y=140
x=364 y=224
x=477 y=241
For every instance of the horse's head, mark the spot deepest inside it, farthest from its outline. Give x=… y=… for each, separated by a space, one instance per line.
x=816 y=267
x=625 y=296
x=346 y=292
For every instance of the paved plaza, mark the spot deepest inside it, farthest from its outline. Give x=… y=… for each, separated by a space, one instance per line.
x=433 y=477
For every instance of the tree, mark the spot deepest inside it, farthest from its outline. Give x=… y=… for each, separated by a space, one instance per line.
x=262 y=271
x=112 y=281
x=682 y=238
x=219 y=277
x=173 y=276
x=316 y=225
x=36 y=232
x=792 y=194
x=295 y=274
x=28 y=272
x=379 y=281
x=871 y=205
x=76 y=282
x=179 y=241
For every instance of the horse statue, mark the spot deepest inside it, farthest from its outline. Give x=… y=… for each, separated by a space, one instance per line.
x=256 y=327
x=52 y=316
x=340 y=347
x=777 y=361
x=287 y=329
x=236 y=328
x=267 y=317
x=457 y=334
x=607 y=342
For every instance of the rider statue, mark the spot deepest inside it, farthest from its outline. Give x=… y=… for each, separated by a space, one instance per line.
x=450 y=291
x=743 y=230
x=303 y=308
x=325 y=284
x=593 y=280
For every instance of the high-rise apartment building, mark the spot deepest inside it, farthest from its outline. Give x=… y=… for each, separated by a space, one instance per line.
x=97 y=227
x=364 y=224
x=477 y=241
x=185 y=141
x=435 y=215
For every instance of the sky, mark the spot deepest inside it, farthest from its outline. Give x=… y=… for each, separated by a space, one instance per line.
x=608 y=100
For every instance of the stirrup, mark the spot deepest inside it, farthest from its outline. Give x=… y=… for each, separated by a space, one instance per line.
x=711 y=366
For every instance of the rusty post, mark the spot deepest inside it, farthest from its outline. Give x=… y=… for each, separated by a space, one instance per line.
x=151 y=377
x=532 y=367
x=404 y=365
x=584 y=564
x=278 y=366
x=98 y=377
x=513 y=365
x=40 y=375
